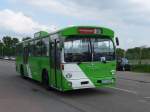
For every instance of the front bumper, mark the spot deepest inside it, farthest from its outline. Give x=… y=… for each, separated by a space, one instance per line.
x=91 y=83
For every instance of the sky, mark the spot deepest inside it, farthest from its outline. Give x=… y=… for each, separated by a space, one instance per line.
x=130 y=19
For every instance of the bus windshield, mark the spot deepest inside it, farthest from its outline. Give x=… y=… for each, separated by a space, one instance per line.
x=88 y=49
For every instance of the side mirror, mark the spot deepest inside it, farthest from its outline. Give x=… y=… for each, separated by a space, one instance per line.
x=117 y=41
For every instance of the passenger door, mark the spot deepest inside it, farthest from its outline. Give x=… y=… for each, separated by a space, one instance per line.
x=55 y=64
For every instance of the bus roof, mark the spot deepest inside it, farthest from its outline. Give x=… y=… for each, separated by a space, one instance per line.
x=75 y=30
x=86 y=30
x=41 y=34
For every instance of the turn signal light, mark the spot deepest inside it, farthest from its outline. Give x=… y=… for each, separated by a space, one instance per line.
x=62 y=66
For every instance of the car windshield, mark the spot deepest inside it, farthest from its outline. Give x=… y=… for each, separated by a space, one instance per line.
x=88 y=49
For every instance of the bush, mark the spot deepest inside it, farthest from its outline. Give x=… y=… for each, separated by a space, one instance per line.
x=141 y=68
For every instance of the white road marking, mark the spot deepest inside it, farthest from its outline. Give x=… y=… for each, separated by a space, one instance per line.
x=124 y=90
x=142 y=101
x=148 y=97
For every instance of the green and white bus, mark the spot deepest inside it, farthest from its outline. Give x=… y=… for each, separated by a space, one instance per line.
x=73 y=58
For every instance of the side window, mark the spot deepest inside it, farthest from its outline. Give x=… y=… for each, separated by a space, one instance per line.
x=19 y=50
x=25 y=54
x=52 y=53
x=38 y=50
x=58 y=54
x=31 y=48
x=45 y=46
x=26 y=49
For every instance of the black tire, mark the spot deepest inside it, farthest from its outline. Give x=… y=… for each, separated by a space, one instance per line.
x=45 y=79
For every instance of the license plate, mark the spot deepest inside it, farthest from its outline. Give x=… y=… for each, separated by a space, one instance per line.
x=107 y=81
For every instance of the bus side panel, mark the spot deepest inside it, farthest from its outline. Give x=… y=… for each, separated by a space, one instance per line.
x=52 y=77
x=59 y=79
x=37 y=64
x=33 y=62
x=45 y=65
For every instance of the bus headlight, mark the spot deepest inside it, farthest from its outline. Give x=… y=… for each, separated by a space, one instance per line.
x=113 y=72
x=68 y=75
x=70 y=84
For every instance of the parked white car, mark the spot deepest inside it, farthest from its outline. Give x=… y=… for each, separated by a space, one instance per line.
x=6 y=58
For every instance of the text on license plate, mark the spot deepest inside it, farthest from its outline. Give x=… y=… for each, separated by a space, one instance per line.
x=107 y=81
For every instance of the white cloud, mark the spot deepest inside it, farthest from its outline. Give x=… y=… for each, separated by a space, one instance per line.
x=130 y=19
x=63 y=7
x=143 y=4
x=19 y=23
x=75 y=9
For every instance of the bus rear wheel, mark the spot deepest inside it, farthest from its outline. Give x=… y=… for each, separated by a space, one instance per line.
x=45 y=80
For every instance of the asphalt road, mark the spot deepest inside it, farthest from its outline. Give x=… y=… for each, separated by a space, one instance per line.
x=131 y=94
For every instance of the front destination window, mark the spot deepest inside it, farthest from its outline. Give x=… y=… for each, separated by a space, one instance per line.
x=88 y=49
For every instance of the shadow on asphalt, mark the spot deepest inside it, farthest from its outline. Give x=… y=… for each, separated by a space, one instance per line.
x=83 y=92
x=72 y=93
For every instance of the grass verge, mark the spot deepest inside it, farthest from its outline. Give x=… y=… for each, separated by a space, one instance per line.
x=141 y=68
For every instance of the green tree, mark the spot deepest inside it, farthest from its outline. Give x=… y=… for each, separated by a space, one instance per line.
x=7 y=41
x=145 y=52
x=9 y=45
x=133 y=53
x=120 y=52
x=1 y=48
x=14 y=42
